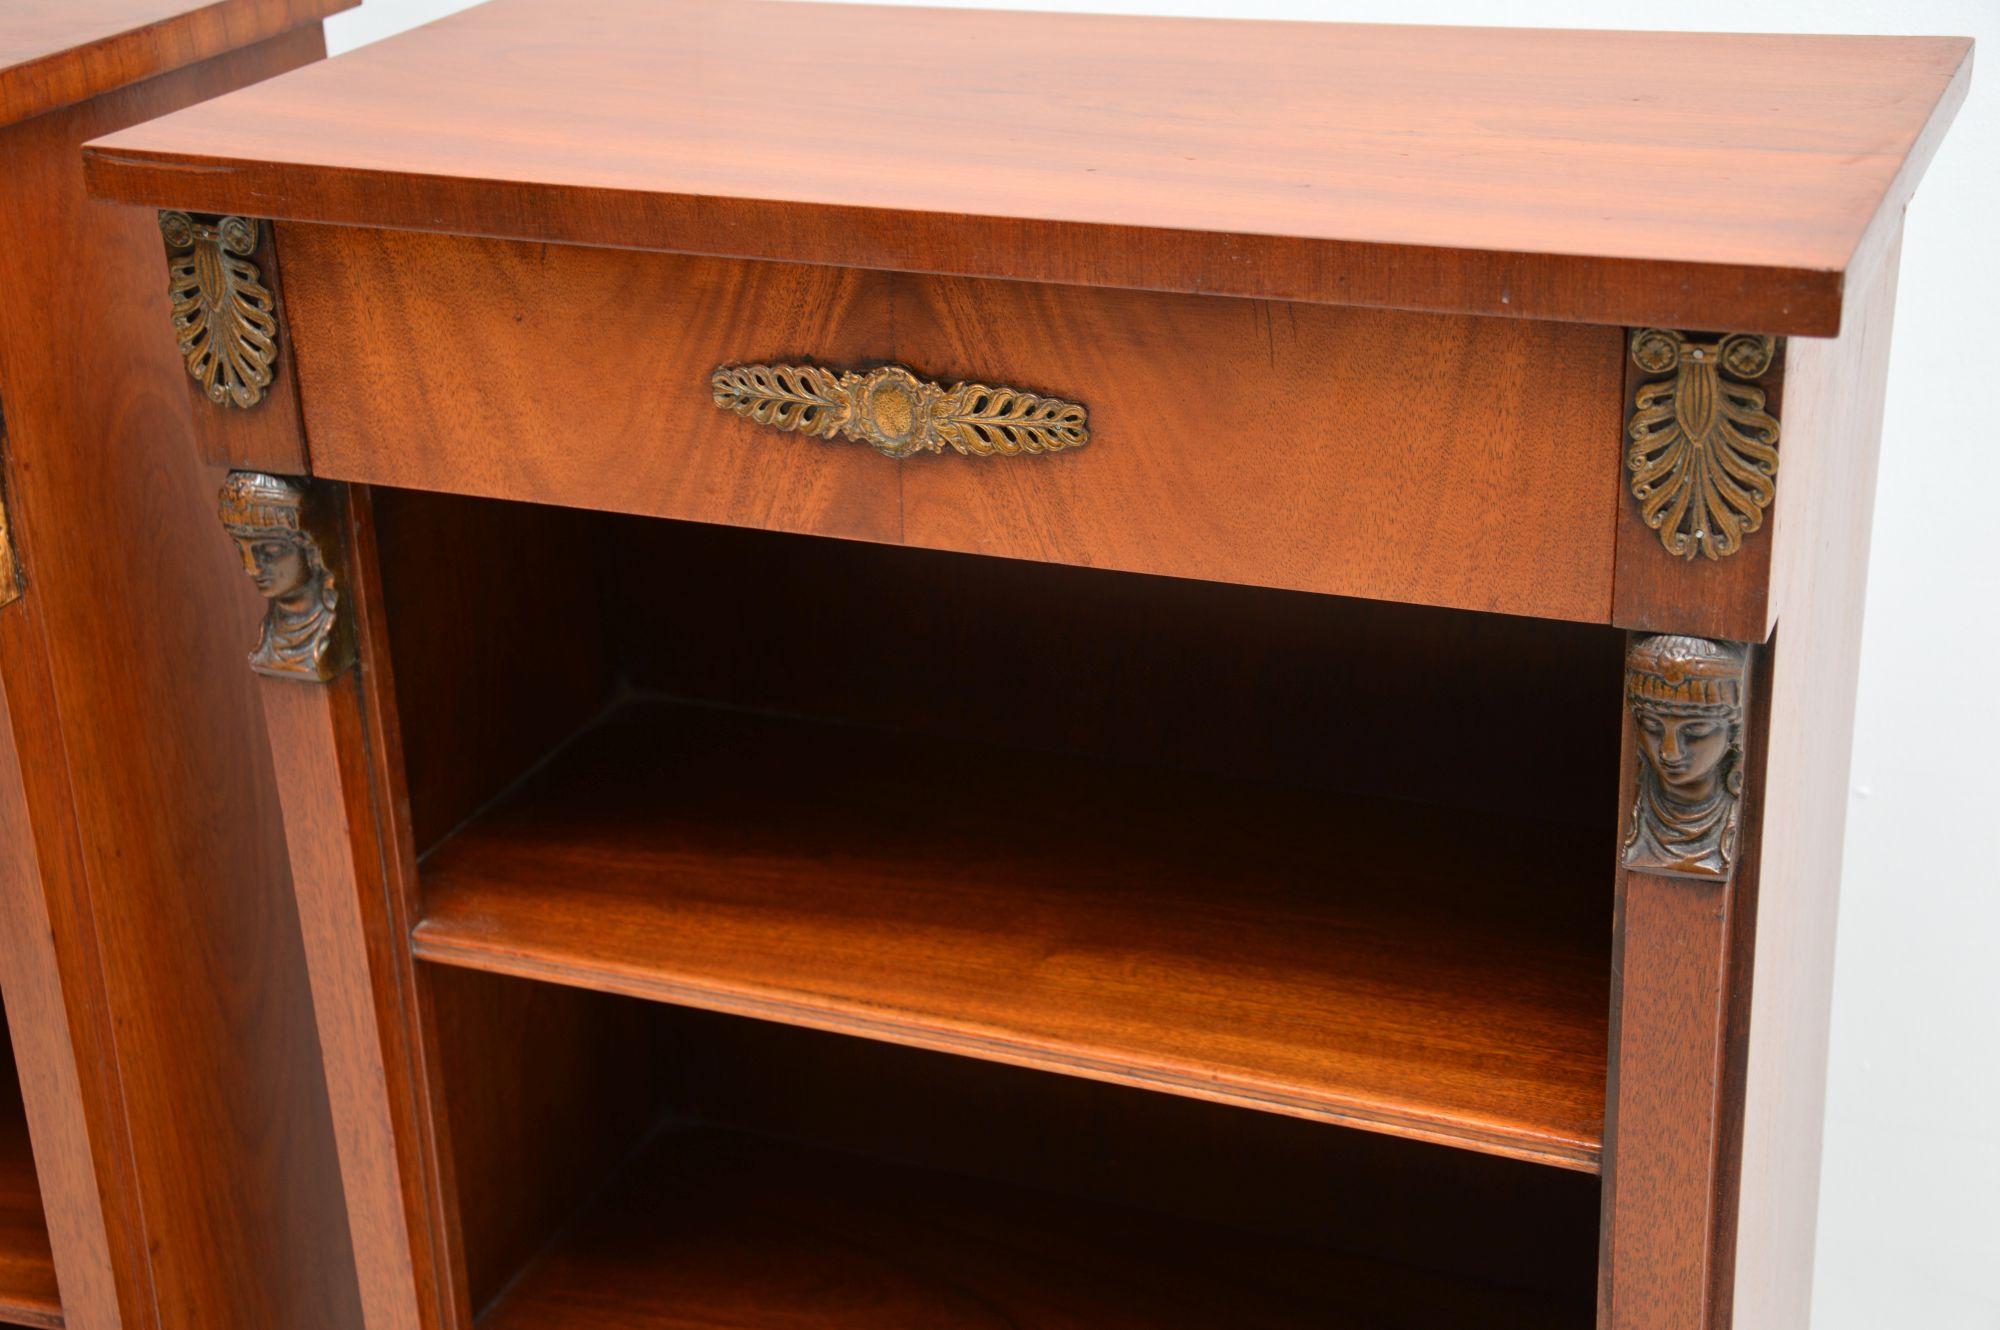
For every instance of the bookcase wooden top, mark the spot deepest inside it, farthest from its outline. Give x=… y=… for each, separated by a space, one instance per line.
x=55 y=53
x=1695 y=180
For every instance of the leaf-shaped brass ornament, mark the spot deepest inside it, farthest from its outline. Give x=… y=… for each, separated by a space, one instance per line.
x=223 y=314
x=897 y=413
x=1703 y=456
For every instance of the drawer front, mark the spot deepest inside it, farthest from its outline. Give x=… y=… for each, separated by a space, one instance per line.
x=1436 y=459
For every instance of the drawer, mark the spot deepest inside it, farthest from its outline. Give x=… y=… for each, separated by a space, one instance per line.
x=1436 y=459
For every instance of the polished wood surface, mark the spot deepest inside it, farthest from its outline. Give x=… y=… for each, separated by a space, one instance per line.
x=27 y=1270
x=1355 y=961
x=1725 y=1236
x=469 y=584
x=152 y=972
x=1782 y=986
x=1371 y=453
x=547 y=1091
x=528 y=1075
x=337 y=748
x=1662 y=1128
x=1673 y=1125
x=55 y=53
x=59 y=1050
x=354 y=993
x=1739 y=966
x=1613 y=177
x=708 y=1229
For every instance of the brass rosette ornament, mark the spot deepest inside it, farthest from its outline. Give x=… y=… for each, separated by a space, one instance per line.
x=224 y=316
x=898 y=414
x=1703 y=455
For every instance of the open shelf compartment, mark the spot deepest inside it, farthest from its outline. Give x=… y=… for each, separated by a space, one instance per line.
x=1350 y=959
x=27 y=1271
x=628 y=1164
x=709 y=1228
x=811 y=933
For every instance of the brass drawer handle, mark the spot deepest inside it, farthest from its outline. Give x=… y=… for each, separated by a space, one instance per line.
x=897 y=413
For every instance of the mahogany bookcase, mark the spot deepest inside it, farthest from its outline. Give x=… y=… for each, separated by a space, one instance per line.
x=953 y=669
x=166 y=1153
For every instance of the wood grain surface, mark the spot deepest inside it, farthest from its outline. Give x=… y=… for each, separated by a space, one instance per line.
x=1660 y=1200
x=1661 y=1102
x=1441 y=460
x=1711 y=1215
x=27 y=1270
x=1355 y=961
x=335 y=843
x=55 y=53
x=709 y=1229
x=468 y=584
x=1834 y=399
x=61 y=1054
x=1614 y=177
x=338 y=753
x=153 y=972
x=548 y=1089
x=1672 y=1131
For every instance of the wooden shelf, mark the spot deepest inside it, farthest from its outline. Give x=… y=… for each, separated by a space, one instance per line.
x=1402 y=968
x=712 y=1229
x=27 y=1272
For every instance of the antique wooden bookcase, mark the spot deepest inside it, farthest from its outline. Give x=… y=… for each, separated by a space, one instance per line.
x=167 y=1159
x=951 y=669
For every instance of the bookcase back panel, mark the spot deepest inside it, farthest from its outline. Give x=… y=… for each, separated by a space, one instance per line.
x=514 y=624
x=1437 y=706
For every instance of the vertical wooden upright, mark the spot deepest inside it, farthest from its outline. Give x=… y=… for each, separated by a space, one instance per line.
x=1666 y=1107
x=149 y=950
x=330 y=711
x=1783 y=995
x=1723 y=988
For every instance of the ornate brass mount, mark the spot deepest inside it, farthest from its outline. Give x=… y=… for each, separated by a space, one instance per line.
x=897 y=413
x=1704 y=452
x=285 y=537
x=223 y=313
x=1687 y=697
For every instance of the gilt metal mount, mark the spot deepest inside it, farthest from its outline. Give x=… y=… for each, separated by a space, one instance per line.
x=897 y=413
x=1687 y=696
x=224 y=316
x=286 y=539
x=1703 y=456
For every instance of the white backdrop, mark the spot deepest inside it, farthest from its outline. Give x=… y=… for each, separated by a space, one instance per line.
x=1910 y=1201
